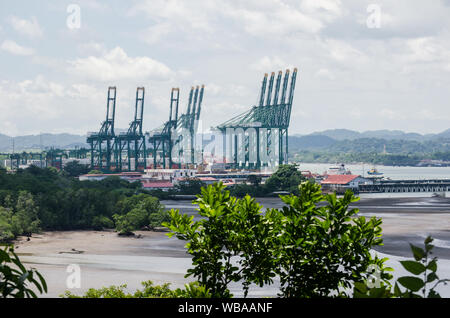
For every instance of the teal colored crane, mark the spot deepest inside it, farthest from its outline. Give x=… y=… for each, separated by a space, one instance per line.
x=160 y=139
x=168 y=144
x=255 y=135
x=131 y=144
x=188 y=125
x=102 y=143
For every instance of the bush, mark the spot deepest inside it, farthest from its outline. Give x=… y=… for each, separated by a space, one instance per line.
x=315 y=250
x=424 y=271
x=322 y=250
x=191 y=290
x=15 y=278
x=137 y=212
x=231 y=228
x=101 y=222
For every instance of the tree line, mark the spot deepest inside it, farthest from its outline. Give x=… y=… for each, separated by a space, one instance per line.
x=35 y=199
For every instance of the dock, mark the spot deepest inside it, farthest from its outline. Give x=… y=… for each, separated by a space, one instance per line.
x=393 y=186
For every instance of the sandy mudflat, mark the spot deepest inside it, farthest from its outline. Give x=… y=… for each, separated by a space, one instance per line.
x=83 y=242
x=106 y=259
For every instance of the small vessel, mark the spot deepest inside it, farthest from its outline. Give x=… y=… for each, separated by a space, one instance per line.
x=374 y=172
x=338 y=170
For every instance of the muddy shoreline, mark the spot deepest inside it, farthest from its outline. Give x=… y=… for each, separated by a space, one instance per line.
x=107 y=259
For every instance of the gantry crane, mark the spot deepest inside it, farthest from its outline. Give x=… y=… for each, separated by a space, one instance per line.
x=160 y=139
x=131 y=144
x=188 y=125
x=259 y=137
x=102 y=142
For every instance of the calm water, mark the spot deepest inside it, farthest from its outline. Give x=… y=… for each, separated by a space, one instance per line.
x=395 y=173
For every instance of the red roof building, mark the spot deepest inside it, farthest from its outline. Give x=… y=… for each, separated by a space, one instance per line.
x=153 y=185
x=342 y=179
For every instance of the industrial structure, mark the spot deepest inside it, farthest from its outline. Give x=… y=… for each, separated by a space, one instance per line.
x=255 y=139
x=172 y=144
x=102 y=142
x=130 y=152
x=259 y=137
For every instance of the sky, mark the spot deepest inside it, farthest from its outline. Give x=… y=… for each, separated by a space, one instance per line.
x=363 y=65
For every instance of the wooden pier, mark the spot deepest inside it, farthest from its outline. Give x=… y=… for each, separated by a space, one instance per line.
x=393 y=186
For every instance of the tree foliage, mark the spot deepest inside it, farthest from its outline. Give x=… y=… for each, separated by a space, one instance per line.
x=15 y=279
x=321 y=250
x=137 y=212
x=421 y=284
x=37 y=199
x=227 y=245
x=191 y=290
x=316 y=251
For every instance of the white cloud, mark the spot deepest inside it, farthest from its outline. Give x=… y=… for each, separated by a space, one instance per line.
x=424 y=50
x=92 y=48
x=326 y=10
x=116 y=65
x=155 y=33
x=270 y=64
x=325 y=73
x=29 y=28
x=274 y=18
x=342 y=51
x=189 y=14
x=16 y=49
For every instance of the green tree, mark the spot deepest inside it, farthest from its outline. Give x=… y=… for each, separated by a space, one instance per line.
x=254 y=180
x=286 y=178
x=322 y=250
x=75 y=169
x=190 y=186
x=139 y=211
x=15 y=278
x=6 y=229
x=421 y=284
x=315 y=249
x=26 y=215
x=231 y=229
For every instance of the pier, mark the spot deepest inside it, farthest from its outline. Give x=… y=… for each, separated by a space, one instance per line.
x=393 y=186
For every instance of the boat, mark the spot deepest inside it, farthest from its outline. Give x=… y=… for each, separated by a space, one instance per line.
x=374 y=172
x=338 y=170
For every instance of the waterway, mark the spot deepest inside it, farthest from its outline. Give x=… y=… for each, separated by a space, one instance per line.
x=395 y=173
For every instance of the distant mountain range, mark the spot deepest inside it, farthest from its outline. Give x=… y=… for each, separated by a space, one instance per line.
x=334 y=139
x=345 y=134
x=44 y=141
x=378 y=141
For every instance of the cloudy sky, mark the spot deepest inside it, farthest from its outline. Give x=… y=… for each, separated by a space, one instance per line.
x=363 y=65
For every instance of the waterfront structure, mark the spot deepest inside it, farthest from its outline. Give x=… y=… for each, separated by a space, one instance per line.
x=342 y=182
x=102 y=142
x=259 y=137
x=172 y=144
x=130 y=152
x=128 y=176
x=402 y=186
